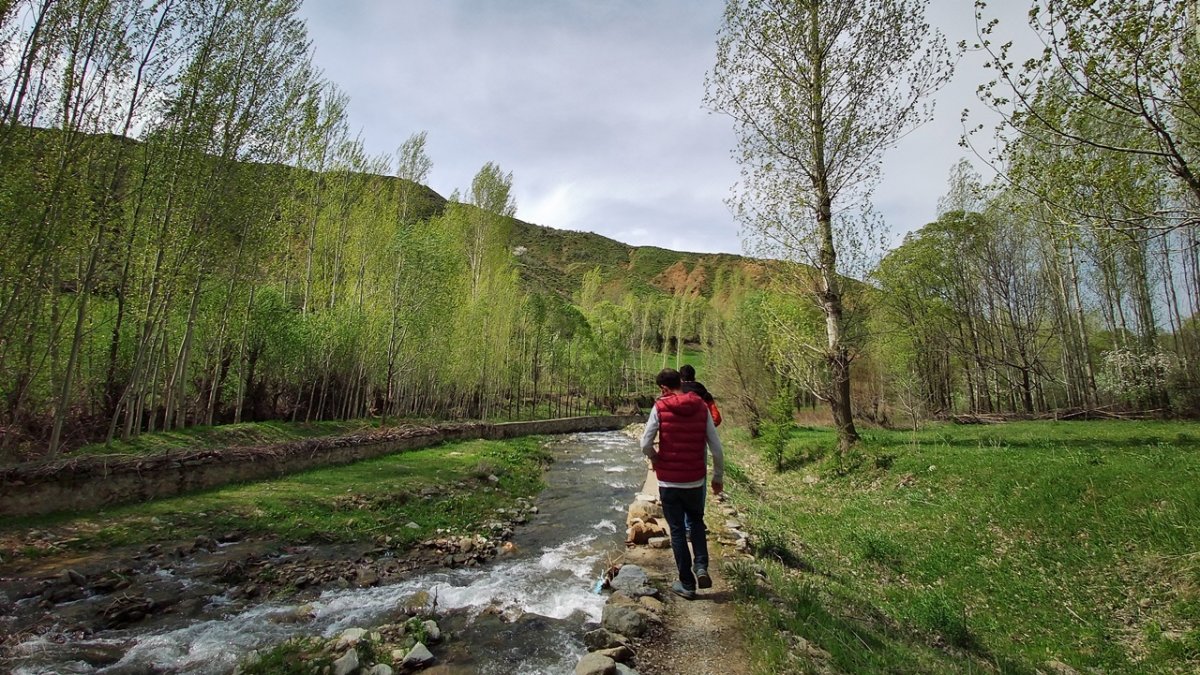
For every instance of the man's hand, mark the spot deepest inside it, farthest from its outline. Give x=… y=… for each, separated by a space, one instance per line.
x=718 y=488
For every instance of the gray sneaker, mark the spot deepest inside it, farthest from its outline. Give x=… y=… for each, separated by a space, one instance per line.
x=702 y=578
x=685 y=593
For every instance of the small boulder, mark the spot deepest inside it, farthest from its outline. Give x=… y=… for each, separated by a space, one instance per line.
x=381 y=669
x=349 y=638
x=1059 y=668
x=347 y=664
x=639 y=533
x=432 y=632
x=418 y=657
x=659 y=542
x=416 y=603
x=365 y=577
x=73 y=578
x=624 y=620
x=623 y=669
x=644 y=511
x=652 y=604
x=602 y=638
x=633 y=581
x=620 y=654
x=596 y=664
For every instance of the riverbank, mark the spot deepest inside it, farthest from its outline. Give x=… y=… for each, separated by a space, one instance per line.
x=203 y=565
x=96 y=480
x=355 y=526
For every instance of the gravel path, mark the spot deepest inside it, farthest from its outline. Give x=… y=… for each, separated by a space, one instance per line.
x=700 y=636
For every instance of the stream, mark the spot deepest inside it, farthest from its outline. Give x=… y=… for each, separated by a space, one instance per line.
x=523 y=613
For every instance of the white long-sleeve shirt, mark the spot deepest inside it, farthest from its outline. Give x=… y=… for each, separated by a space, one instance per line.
x=712 y=441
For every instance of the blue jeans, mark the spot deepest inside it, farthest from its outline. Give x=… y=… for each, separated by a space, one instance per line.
x=684 y=510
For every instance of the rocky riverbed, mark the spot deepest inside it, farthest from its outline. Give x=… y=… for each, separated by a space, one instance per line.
x=205 y=605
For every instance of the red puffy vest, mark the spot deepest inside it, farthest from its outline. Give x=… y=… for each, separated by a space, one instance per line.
x=682 y=435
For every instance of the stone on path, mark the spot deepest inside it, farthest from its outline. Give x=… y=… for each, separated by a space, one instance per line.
x=644 y=510
x=659 y=542
x=652 y=604
x=633 y=581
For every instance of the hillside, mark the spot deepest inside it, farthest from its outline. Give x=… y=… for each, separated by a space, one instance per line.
x=555 y=261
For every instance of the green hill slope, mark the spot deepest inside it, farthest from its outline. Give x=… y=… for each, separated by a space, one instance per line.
x=555 y=261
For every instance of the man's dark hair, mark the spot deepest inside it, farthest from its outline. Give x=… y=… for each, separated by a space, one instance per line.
x=669 y=378
x=687 y=373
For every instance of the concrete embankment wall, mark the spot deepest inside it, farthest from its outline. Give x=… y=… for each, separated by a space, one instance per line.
x=90 y=483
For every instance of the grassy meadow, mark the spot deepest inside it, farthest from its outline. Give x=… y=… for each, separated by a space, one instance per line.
x=1020 y=547
x=225 y=436
x=445 y=486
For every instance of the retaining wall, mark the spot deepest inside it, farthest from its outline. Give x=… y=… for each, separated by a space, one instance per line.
x=90 y=483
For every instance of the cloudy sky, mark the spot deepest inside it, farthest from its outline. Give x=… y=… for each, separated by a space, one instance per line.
x=595 y=106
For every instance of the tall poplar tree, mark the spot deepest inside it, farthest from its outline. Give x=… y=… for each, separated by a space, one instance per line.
x=817 y=90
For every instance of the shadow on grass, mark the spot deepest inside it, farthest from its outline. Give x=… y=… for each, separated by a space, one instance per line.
x=819 y=623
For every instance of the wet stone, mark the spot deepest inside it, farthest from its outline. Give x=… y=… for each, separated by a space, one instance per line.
x=602 y=638
x=365 y=577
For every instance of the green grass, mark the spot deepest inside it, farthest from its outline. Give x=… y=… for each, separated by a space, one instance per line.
x=225 y=436
x=358 y=502
x=297 y=655
x=966 y=548
x=652 y=362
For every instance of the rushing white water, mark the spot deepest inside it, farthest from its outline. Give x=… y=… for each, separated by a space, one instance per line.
x=559 y=555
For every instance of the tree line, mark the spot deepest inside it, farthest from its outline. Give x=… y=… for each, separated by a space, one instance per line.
x=1069 y=282
x=190 y=234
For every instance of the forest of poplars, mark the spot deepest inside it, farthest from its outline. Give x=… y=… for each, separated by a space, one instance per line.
x=192 y=235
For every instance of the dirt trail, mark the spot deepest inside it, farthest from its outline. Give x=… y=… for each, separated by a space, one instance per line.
x=700 y=636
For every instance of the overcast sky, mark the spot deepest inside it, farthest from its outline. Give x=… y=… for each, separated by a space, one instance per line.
x=595 y=106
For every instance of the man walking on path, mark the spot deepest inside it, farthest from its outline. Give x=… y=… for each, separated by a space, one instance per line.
x=687 y=373
x=684 y=428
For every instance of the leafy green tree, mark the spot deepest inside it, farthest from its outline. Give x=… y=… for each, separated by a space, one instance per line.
x=817 y=90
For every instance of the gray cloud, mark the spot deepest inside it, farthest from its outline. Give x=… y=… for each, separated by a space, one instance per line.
x=594 y=106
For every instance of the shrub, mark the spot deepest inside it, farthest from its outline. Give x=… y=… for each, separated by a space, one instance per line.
x=845 y=463
x=777 y=428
